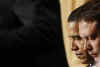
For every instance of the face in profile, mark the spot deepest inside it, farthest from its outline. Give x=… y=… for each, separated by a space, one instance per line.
x=78 y=47
x=90 y=34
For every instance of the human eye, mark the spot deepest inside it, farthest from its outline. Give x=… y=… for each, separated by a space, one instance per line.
x=76 y=37
x=93 y=36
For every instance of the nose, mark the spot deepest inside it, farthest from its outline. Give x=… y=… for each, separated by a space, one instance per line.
x=74 y=47
x=89 y=47
x=83 y=44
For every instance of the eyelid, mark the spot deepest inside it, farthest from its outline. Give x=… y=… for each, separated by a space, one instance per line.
x=72 y=36
x=76 y=37
x=93 y=36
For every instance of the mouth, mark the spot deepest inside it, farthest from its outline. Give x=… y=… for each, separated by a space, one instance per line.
x=93 y=55
x=80 y=55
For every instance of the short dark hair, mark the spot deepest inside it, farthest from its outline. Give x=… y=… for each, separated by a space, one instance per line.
x=90 y=11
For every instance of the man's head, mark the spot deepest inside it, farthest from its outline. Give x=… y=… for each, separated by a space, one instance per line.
x=85 y=23
x=78 y=47
x=90 y=36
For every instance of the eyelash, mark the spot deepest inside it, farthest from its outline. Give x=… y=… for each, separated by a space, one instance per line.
x=93 y=37
x=76 y=38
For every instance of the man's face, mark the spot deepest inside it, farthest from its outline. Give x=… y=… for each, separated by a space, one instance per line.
x=90 y=36
x=78 y=47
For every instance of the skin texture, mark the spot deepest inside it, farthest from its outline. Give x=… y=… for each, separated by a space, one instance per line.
x=91 y=37
x=78 y=47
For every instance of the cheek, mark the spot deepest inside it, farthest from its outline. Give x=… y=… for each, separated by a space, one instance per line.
x=75 y=46
x=96 y=45
x=74 y=43
x=79 y=44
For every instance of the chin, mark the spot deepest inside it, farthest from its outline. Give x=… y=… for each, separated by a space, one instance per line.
x=84 y=61
x=97 y=59
x=87 y=61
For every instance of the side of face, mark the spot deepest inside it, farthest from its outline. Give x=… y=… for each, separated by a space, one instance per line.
x=78 y=47
x=91 y=35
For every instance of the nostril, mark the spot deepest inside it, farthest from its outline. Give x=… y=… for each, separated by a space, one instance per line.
x=74 y=48
x=89 y=48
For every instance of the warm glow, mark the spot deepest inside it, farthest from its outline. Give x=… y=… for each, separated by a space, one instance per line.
x=66 y=7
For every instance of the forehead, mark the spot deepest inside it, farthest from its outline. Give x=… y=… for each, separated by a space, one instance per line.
x=87 y=28
x=83 y=28
x=74 y=28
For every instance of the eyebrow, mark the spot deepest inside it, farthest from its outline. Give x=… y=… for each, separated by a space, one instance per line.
x=94 y=35
x=75 y=36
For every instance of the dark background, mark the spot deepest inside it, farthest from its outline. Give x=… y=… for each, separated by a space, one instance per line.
x=32 y=28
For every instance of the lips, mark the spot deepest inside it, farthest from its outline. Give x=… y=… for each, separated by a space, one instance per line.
x=80 y=55
x=93 y=55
